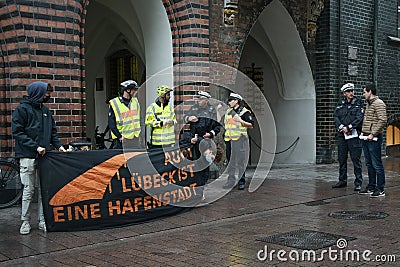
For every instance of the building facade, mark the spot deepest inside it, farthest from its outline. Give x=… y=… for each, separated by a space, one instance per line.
x=298 y=53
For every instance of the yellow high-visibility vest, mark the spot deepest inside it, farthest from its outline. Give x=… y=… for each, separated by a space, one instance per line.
x=233 y=129
x=127 y=118
x=160 y=135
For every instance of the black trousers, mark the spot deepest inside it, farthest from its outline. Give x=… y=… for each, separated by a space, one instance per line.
x=354 y=148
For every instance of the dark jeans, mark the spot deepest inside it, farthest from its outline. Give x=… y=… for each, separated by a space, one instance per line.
x=373 y=161
x=352 y=146
x=237 y=156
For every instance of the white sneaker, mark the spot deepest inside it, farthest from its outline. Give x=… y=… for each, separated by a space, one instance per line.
x=42 y=226
x=25 y=228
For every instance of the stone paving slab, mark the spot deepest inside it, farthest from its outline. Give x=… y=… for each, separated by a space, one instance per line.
x=226 y=232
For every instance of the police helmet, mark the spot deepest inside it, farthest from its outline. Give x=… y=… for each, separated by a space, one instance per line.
x=163 y=89
x=129 y=84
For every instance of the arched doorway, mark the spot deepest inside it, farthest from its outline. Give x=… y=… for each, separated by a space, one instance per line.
x=275 y=49
x=123 y=40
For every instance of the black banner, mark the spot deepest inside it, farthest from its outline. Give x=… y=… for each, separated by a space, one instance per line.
x=98 y=189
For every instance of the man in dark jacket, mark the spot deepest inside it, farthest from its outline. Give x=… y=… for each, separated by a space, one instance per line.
x=34 y=130
x=202 y=118
x=348 y=117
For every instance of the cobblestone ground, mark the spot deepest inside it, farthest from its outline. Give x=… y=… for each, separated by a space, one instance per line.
x=228 y=231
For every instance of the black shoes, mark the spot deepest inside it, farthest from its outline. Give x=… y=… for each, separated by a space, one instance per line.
x=366 y=191
x=241 y=186
x=340 y=184
x=373 y=192
x=378 y=193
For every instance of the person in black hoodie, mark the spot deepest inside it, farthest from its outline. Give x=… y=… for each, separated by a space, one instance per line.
x=34 y=130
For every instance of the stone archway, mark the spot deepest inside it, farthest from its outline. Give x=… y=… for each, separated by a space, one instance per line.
x=287 y=82
x=140 y=27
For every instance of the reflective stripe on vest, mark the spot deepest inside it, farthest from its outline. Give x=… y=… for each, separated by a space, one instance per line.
x=164 y=135
x=234 y=130
x=127 y=119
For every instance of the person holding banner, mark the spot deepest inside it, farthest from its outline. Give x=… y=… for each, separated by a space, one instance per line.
x=34 y=130
x=160 y=117
x=237 y=120
x=124 y=117
x=202 y=118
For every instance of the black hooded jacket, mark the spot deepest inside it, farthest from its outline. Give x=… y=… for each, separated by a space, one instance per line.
x=33 y=124
x=349 y=114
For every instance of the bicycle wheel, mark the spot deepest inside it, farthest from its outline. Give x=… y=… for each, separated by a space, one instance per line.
x=10 y=184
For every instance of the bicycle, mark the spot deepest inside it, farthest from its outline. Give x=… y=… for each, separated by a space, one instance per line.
x=100 y=141
x=10 y=183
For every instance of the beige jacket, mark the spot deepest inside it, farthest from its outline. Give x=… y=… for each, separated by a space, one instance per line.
x=374 y=117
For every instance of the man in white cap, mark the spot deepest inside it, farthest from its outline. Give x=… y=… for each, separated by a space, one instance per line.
x=202 y=118
x=237 y=120
x=348 y=118
x=124 y=117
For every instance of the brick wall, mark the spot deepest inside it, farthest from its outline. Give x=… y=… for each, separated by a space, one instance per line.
x=189 y=21
x=226 y=42
x=43 y=41
x=389 y=56
x=354 y=28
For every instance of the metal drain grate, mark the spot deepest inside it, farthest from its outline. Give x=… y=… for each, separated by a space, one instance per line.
x=358 y=215
x=304 y=239
x=316 y=203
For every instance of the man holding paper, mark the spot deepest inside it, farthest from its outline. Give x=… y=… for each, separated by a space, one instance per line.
x=348 y=116
x=373 y=126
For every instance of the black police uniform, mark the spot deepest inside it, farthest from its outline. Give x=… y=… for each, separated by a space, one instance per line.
x=207 y=123
x=349 y=115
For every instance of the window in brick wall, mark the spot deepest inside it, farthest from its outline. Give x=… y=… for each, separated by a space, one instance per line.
x=392 y=135
x=123 y=65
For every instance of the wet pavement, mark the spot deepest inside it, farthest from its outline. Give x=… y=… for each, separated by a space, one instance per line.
x=229 y=232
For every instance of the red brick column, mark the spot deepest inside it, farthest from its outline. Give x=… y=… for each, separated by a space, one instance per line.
x=190 y=35
x=43 y=41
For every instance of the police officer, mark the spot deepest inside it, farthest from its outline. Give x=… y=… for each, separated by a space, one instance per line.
x=237 y=120
x=202 y=118
x=160 y=117
x=348 y=117
x=124 y=117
